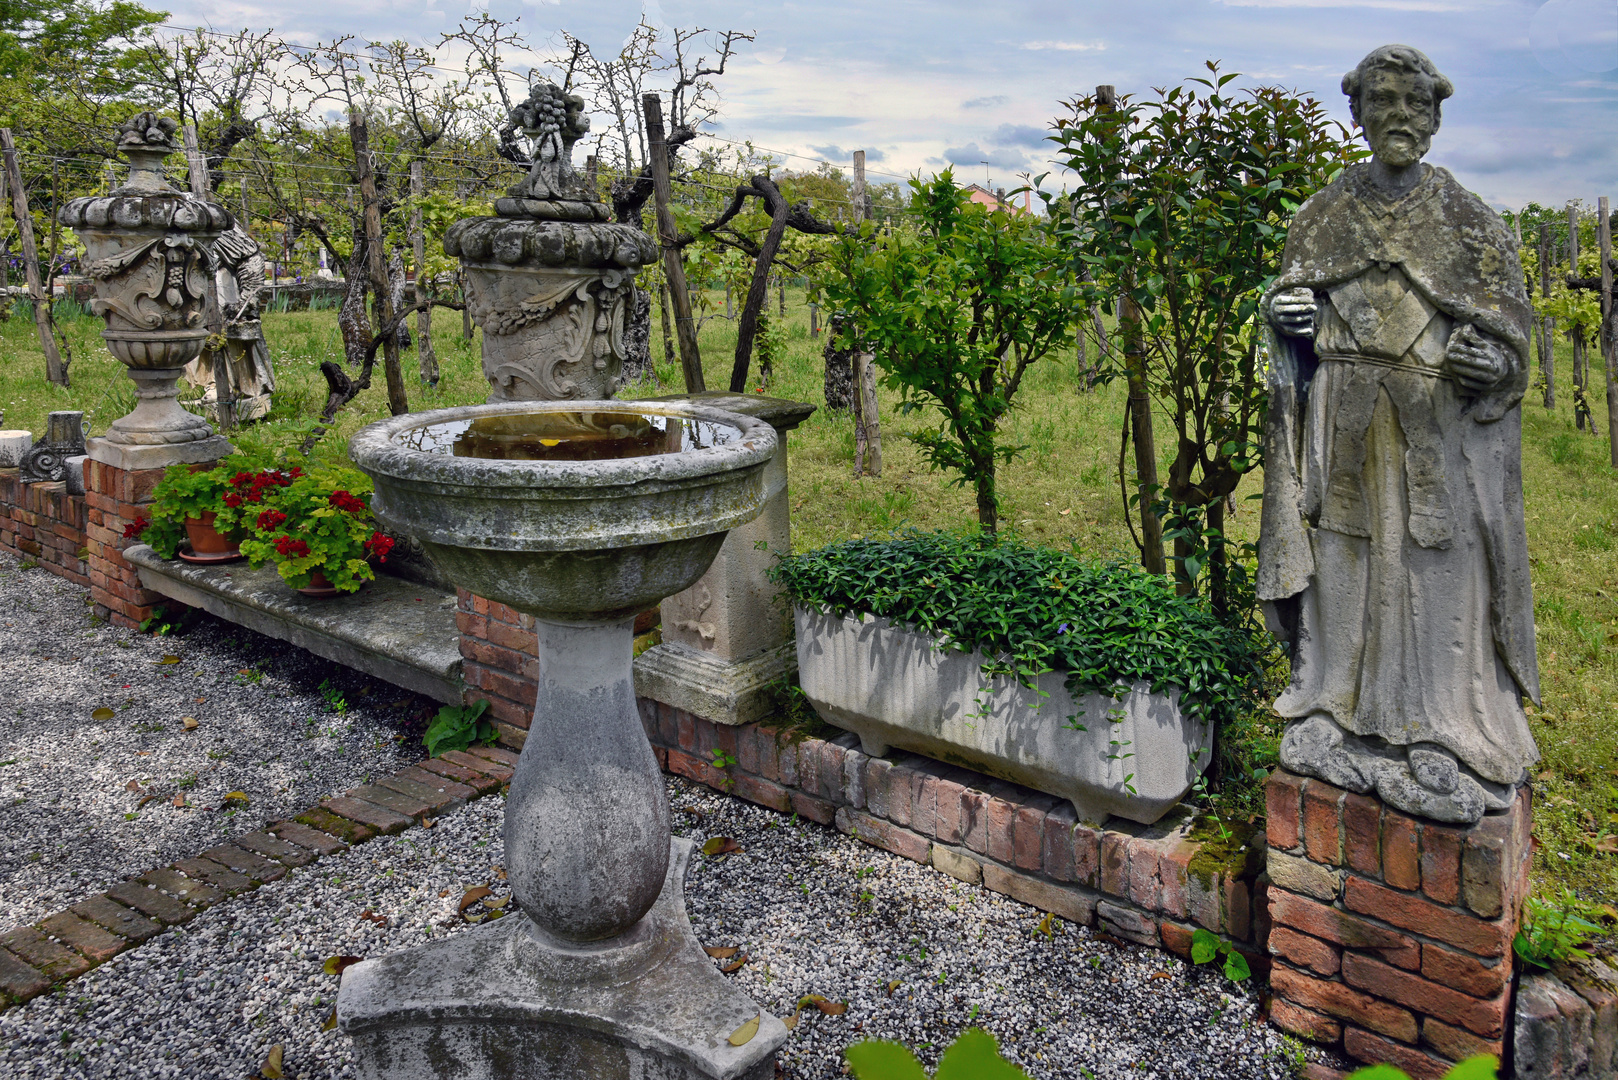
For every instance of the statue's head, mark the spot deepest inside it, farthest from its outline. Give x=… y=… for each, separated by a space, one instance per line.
x=1397 y=96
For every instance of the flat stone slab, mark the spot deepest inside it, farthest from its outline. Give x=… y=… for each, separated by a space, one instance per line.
x=394 y=629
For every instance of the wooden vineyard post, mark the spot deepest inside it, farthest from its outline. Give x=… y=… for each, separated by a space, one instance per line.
x=867 y=411
x=55 y=369
x=1604 y=336
x=1546 y=325
x=673 y=268
x=360 y=136
x=212 y=317
x=424 y=316
x=1581 y=377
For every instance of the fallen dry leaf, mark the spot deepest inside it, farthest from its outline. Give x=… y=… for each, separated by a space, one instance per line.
x=721 y=845
x=894 y=985
x=235 y=797
x=133 y=785
x=744 y=1034
x=178 y=800
x=735 y=965
x=427 y=822
x=442 y=893
x=791 y=1022
x=472 y=896
x=1607 y=845
x=144 y=801
x=370 y=916
x=500 y=873
x=169 y=659
x=331 y=1022
x=103 y=713
x=336 y=965
x=830 y=1008
x=271 y=1069
x=1064 y=513
x=496 y=905
x=721 y=952
x=1159 y=975
x=189 y=723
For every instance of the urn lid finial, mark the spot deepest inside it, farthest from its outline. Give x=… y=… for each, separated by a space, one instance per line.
x=552 y=120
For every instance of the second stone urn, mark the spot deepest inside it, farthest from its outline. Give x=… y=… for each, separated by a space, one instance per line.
x=549 y=278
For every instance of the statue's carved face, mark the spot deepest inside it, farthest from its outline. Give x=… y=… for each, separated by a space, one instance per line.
x=1399 y=115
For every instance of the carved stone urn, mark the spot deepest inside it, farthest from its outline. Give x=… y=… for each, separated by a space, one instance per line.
x=149 y=251
x=549 y=278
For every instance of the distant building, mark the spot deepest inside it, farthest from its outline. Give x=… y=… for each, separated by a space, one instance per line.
x=996 y=200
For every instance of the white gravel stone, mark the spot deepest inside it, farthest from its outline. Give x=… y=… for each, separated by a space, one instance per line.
x=71 y=824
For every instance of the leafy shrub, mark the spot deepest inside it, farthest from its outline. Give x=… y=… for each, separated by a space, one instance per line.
x=1034 y=609
x=973 y=1056
x=1556 y=928
x=457 y=727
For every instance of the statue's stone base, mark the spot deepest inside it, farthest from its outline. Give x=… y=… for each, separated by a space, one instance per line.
x=724 y=691
x=1392 y=934
x=496 y=1003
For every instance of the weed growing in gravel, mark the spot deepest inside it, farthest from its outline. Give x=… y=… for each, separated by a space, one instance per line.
x=335 y=702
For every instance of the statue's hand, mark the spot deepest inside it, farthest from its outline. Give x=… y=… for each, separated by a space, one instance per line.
x=1293 y=311
x=1476 y=360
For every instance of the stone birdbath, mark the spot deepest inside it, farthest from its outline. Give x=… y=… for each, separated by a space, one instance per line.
x=581 y=514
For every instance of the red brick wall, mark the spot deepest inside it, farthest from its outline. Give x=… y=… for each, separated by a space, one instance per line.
x=498 y=662
x=1392 y=935
x=44 y=523
x=114 y=499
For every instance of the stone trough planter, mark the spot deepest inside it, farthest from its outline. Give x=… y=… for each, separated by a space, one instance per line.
x=895 y=688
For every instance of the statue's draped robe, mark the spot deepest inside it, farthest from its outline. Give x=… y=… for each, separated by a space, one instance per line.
x=1393 y=536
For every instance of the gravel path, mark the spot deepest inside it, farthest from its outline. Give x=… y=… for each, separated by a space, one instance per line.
x=85 y=802
x=211 y=1000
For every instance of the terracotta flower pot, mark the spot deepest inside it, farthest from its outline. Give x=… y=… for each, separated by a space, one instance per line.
x=318 y=585
x=208 y=544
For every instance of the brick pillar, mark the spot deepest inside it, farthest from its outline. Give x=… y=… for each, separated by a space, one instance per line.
x=114 y=497
x=1391 y=934
x=499 y=663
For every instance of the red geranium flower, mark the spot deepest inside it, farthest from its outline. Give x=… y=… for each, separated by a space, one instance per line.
x=379 y=545
x=133 y=530
x=346 y=502
x=241 y=478
x=290 y=548
x=233 y=500
x=270 y=519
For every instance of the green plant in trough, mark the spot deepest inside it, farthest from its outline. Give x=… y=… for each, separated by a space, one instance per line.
x=1032 y=609
x=457 y=727
x=973 y=1056
x=1556 y=928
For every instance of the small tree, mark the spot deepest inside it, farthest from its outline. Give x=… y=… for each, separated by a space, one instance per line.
x=955 y=313
x=1181 y=206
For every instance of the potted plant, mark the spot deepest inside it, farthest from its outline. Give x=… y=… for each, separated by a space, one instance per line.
x=186 y=508
x=1091 y=681
x=316 y=527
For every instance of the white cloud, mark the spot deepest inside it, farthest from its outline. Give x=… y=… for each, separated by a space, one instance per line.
x=1385 y=5
x=1065 y=46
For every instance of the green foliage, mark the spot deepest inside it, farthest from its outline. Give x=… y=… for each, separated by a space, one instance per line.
x=1556 y=928
x=973 y=1056
x=188 y=492
x=1181 y=206
x=954 y=315
x=1034 y=609
x=457 y=727
x=1206 y=947
x=1482 y=1067
x=319 y=520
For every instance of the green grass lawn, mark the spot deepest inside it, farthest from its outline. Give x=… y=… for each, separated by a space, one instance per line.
x=1063 y=490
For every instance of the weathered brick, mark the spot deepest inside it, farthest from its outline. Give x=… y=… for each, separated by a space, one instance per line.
x=1481 y=1017
x=86 y=938
x=787 y=763
x=437 y=782
x=1127 y=923
x=900 y=785
x=1483 y=938
x=1086 y=854
x=1362 y=833
x=1001 y=819
x=748 y=756
x=1283 y=810
x=1115 y=863
x=1458 y=1044
x=438 y=799
x=319 y=842
x=815 y=809
x=924 y=804
x=1176 y=938
x=1238 y=921
x=220 y=877
x=1341 y=928
x=975 y=820
x=1322 y=822
x=851 y=792
x=809 y=764
x=1441 y=862
x=19 y=981
x=55 y=962
x=1068 y=903
x=883 y=834
x=1056 y=842
x=504 y=759
x=758 y=790
x=366 y=813
x=1143 y=886
x=957 y=865
x=158 y=905
x=121 y=920
x=1483 y=874
x=833 y=775
x=485 y=766
x=1401 y=860
x=1464 y=972
x=691 y=767
x=877 y=772
x=1304 y=1023
x=1373 y=1049
x=192 y=890
x=1174 y=876
x=1306 y=952
x=1343 y=1002
x=252 y=864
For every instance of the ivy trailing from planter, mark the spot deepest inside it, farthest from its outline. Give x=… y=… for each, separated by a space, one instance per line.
x=1033 y=610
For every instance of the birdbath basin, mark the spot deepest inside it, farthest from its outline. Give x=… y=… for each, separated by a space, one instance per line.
x=581 y=514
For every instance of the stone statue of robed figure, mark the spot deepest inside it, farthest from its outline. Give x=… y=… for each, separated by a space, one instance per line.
x=1393 y=555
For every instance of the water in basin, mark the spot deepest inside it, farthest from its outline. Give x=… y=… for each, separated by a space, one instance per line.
x=593 y=435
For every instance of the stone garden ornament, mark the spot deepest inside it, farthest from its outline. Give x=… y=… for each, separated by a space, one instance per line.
x=239 y=279
x=549 y=278
x=1393 y=552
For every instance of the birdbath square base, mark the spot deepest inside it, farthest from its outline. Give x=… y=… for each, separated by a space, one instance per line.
x=497 y=1003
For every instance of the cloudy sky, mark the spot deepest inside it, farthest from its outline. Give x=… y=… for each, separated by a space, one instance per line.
x=917 y=83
